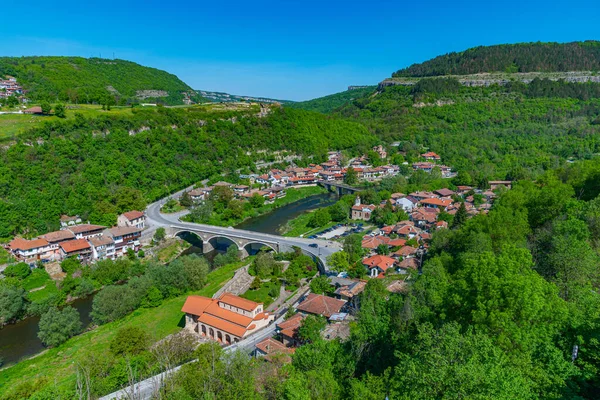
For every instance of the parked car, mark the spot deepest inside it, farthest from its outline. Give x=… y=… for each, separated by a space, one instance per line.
x=314 y=245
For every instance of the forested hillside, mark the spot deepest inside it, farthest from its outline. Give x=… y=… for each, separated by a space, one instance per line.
x=329 y=103
x=100 y=167
x=521 y=57
x=92 y=80
x=514 y=131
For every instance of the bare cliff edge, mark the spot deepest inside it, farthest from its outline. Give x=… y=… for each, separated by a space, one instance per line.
x=500 y=78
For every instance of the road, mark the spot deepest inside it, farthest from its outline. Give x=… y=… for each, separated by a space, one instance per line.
x=156 y=219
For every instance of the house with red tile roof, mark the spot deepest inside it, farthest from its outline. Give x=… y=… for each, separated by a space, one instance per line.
x=319 y=304
x=372 y=242
x=378 y=264
x=444 y=192
x=362 y=211
x=227 y=319
x=78 y=248
x=29 y=250
x=288 y=329
x=430 y=155
x=86 y=231
x=271 y=349
x=132 y=218
x=440 y=204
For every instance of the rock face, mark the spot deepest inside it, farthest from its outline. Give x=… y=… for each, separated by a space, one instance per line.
x=487 y=79
x=145 y=94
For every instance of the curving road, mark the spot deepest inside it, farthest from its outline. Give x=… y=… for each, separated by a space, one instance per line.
x=156 y=219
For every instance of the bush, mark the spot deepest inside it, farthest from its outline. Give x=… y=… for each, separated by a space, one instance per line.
x=57 y=326
x=112 y=303
x=20 y=271
x=12 y=303
x=130 y=340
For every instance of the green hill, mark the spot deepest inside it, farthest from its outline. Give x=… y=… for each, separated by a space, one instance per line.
x=93 y=80
x=521 y=57
x=329 y=103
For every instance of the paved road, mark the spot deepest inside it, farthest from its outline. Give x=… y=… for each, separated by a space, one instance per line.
x=157 y=219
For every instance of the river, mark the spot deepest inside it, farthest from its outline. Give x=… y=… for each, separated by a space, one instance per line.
x=20 y=340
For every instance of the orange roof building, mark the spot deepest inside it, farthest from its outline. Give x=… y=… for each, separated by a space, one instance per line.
x=319 y=304
x=227 y=319
x=378 y=264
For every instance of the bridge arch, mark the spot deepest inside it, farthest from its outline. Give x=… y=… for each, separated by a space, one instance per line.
x=253 y=248
x=222 y=243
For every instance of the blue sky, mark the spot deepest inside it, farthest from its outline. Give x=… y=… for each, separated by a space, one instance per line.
x=290 y=49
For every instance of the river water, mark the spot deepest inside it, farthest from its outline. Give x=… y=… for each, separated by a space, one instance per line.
x=20 y=340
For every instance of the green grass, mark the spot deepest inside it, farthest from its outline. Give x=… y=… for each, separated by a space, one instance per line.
x=262 y=295
x=171 y=251
x=299 y=226
x=57 y=364
x=38 y=278
x=46 y=292
x=12 y=125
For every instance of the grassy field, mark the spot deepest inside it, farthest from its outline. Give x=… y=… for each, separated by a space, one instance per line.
x=170 y=252
x=57 y=364
x=12 y=125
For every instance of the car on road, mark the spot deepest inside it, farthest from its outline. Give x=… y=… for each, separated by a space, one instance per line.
x=314 y=245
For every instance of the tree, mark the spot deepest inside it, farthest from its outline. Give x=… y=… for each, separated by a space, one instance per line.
x=319 y=218
x=460 y=217
x=257 y=200
x=338 y=261
x=60 y=111
x=256 y=284
x=57 y=326
x=112 y=303
x=130 y=341
x=12 y=303
x=320 y=285
x=310 y=330
x=46 y=107
x=353 y=247
x=351 y=177
x=383 y=249
x=339 y=211
x=20 y=271
x=186 y=200
x=160 y=234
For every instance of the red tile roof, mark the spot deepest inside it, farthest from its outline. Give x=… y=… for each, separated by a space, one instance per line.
x=290 y=326
x=24 y=244
x=74 y=245
x=271 y=346
x=58 y=236
x=131 y=215
x=85 y=228
x=379 y=261
x=436 y=202
x=238 y=302
x=321 y=305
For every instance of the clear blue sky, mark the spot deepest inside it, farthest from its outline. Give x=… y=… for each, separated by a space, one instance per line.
x=286 y=49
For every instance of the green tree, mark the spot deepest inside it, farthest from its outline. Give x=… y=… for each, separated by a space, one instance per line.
x=310 y=330
x=319 y=218
x=46 y=107
x=160 y=234
x=338 y=261
x=20 y=271
x=186 y=200
x=60 y=111
x=460 y=217
x=320 y=285
x=57 y=326
x=351 y=177
x=257 y=200
x=130 y=340
x=12 y=303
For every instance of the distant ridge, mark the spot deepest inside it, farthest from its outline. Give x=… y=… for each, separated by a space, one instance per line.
x=94 y=80
x=510 y=58
x=221 y=97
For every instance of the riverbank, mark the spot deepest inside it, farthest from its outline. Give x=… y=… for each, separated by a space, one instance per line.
x=293 y=195
x=298 y=227
x=57 y=365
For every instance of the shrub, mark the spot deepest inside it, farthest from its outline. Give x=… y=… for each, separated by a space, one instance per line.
x=57 y=326
x=20 y=271
x=130 y=340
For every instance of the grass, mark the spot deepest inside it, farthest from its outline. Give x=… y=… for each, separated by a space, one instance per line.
x=262 y=295
x=38 y=278
x=299 y=226
x=12 y=125
x=171 y=251
x=57 y=364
